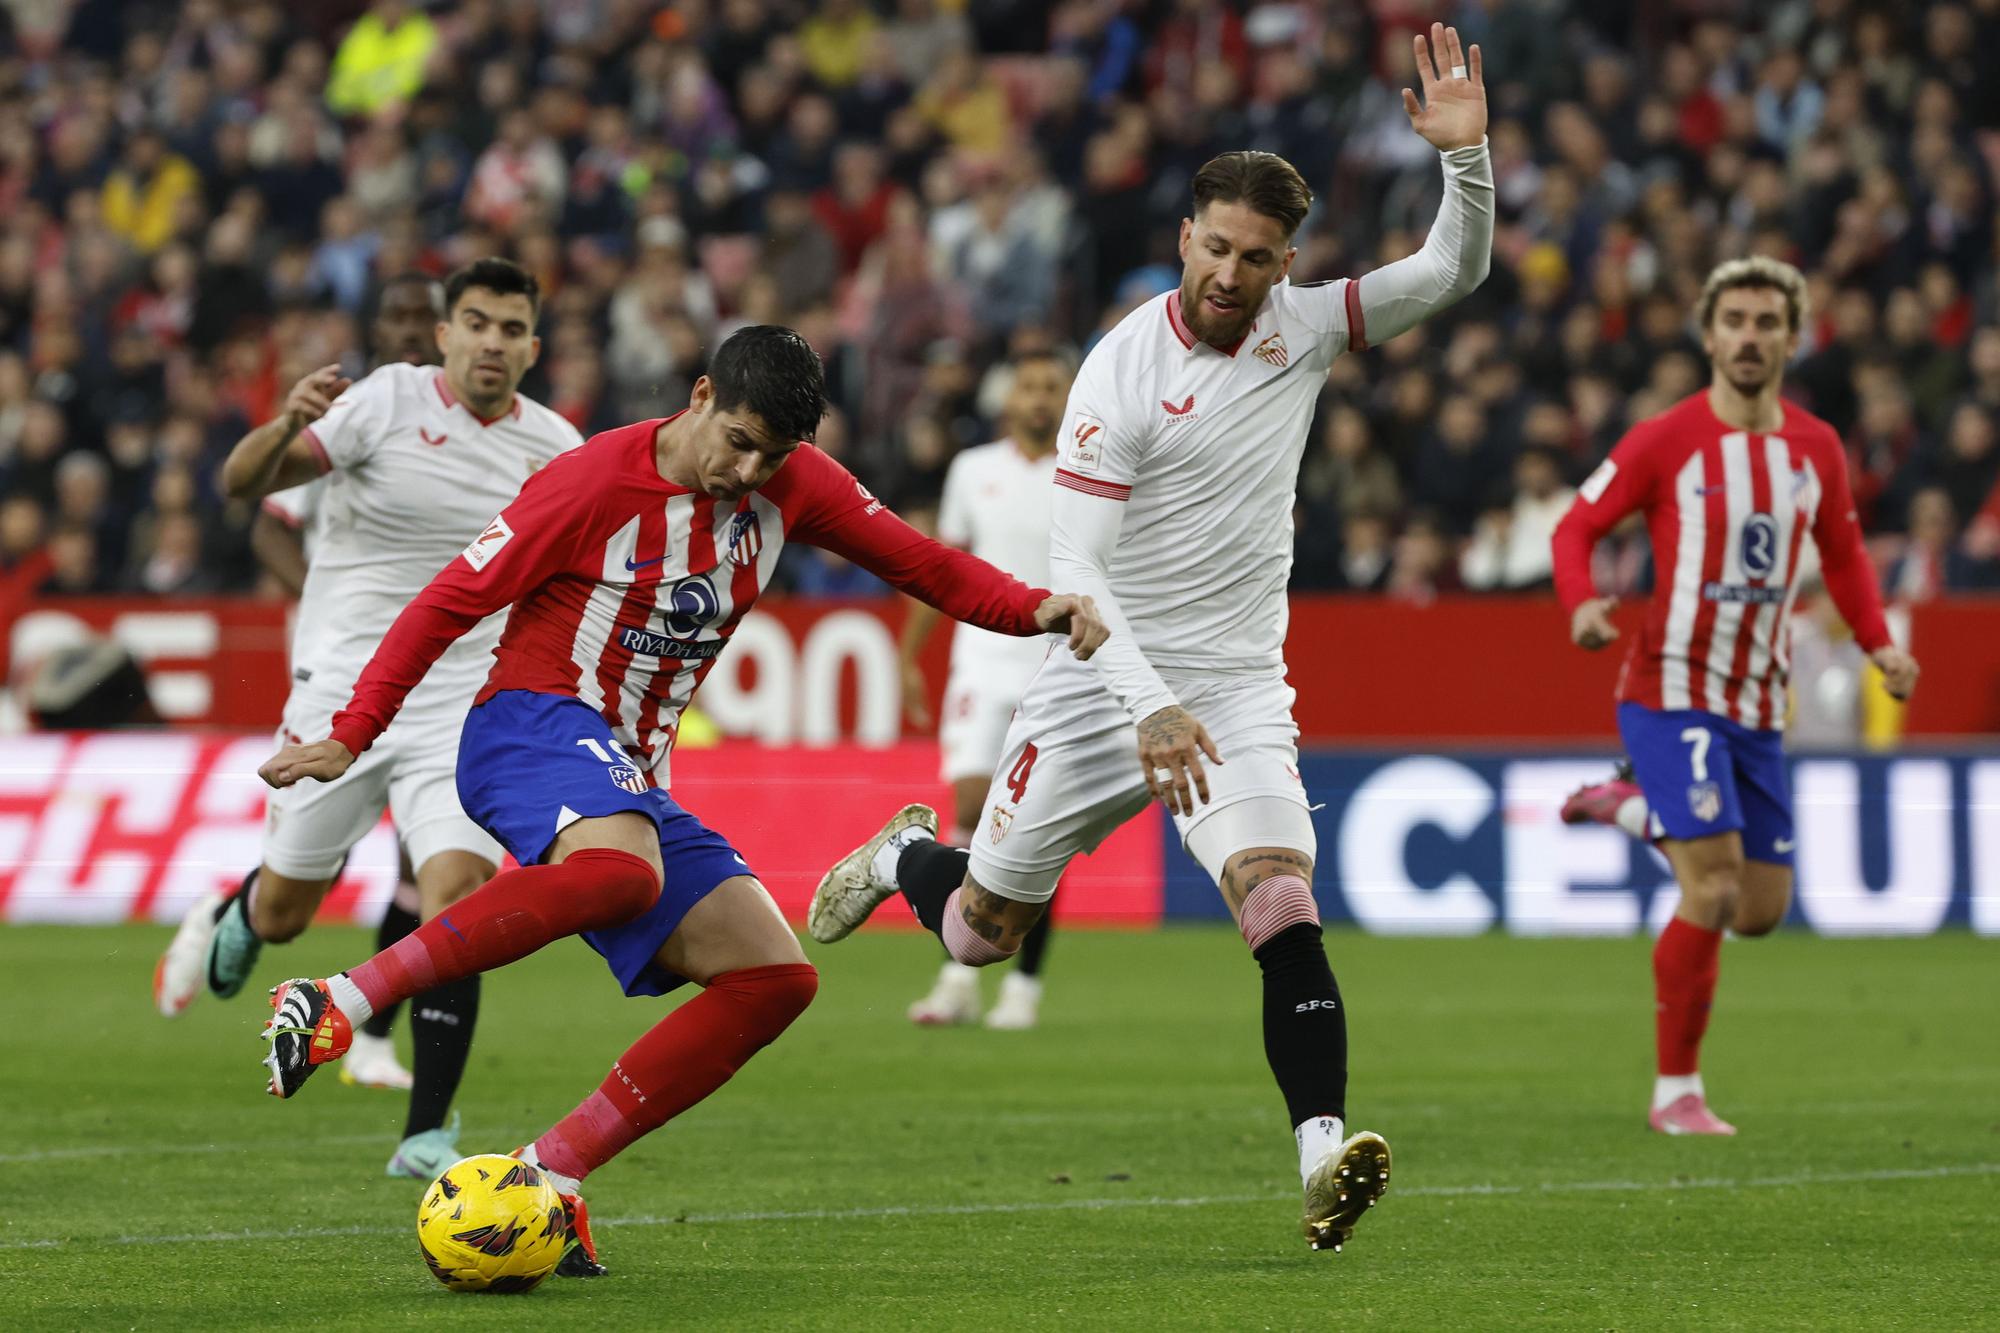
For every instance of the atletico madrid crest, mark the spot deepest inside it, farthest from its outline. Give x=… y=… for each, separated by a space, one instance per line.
x=1705 y=801
x=746 y=537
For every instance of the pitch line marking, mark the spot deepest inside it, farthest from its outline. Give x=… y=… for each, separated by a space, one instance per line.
x=1797 y=1179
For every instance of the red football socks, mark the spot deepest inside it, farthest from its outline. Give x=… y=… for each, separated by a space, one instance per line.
x=1686 y=961
x=508 y=918
x=687 y=1055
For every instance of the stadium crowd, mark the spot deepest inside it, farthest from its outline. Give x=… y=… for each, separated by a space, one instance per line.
x=199 y=202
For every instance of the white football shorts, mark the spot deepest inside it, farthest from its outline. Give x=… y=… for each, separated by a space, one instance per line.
x=411 y=771
x=978 y=707
x=1069 y=769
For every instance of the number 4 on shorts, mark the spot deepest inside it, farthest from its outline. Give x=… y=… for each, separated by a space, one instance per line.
x=1017 y=777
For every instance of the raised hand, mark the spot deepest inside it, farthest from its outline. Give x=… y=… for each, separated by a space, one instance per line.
x=1453 y=111
x=1076 y=616
x=311 y=396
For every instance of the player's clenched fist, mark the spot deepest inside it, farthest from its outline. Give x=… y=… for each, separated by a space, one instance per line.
x=1068 y=613
x=1590 y=626
x=1899 y=670
x=311 y=396
x=322 y=760
x=1171 y=744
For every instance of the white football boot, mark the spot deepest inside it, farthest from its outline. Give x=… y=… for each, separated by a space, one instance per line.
x=1020 y=1003
x=371 y=1063
x=181 y=973
x=953 y=1000
x=850 y=891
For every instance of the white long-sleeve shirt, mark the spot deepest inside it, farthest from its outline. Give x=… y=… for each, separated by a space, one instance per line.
x=1178 y=462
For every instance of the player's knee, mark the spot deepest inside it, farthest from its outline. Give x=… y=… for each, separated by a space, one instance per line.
x=627 y=885
x=1279 y=899
x=791 y=989
x=1755 y=918
x=280 y=915
x=976 y=931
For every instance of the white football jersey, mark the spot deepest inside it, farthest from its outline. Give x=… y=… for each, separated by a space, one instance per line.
x=300 y=507
x=1182 y=459
x=996 y=505
x=412 y=477
x=1203 y=446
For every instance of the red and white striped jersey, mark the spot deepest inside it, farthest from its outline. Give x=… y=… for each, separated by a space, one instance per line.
x=1728 y=512
x=627 y=587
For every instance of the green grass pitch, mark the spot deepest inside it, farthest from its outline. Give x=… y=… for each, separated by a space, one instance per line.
x=1127 y=1166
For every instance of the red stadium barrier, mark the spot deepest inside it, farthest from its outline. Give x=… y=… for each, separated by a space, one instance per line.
x=814 y=673
x=116 y=826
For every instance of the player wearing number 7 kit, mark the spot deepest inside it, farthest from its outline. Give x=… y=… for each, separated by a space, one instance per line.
x=1731 y=481
x=1177 y=471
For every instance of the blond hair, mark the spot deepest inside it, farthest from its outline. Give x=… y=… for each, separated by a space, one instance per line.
x=1755 y=271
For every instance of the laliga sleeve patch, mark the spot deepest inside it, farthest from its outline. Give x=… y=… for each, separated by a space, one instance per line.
x=1595 y=485
x=488 y=543
x=1086 y=443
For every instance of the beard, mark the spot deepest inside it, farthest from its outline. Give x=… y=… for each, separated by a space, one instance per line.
x=1210 y=327
x=1748 y=376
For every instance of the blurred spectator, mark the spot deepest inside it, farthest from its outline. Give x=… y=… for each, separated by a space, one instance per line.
x=382 y=60
x=835 y=41
x=200 y=201
x=144 y=192
x=1510 y=545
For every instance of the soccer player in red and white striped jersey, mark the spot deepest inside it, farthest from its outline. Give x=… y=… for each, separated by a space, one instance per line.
x=1731 y=481
x=629 y=562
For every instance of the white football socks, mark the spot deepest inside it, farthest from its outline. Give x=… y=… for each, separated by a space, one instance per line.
x=564 y=1184
x=1317 y=1137
x=883 y=867
x=1633 y=812
x=1670 y=1088
x=347 y=997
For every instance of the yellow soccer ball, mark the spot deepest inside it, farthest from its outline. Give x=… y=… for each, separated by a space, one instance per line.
x=492 y=1223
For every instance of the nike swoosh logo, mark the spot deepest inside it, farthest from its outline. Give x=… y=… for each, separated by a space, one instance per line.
x=1784 y=844
x=634 y=566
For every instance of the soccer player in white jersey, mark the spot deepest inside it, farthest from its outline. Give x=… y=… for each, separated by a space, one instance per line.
x=402 y=329
x=1178 y=460
x=416 y=461
x=996 y=505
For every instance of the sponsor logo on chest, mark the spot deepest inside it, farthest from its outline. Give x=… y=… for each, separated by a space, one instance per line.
x=1181 y=413
x=647 y=643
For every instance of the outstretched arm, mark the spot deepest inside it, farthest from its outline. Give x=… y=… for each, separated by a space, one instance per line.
x=527 y=543
x=850 y=522
x=1458 y=252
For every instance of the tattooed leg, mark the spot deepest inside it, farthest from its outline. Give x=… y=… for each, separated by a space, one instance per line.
x=982 y=927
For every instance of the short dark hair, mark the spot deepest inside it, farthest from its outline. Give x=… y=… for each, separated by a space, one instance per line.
x=1049 y=352
x=495 y=275
x=410 y=277
x=775 y=374
x=1264 y=182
